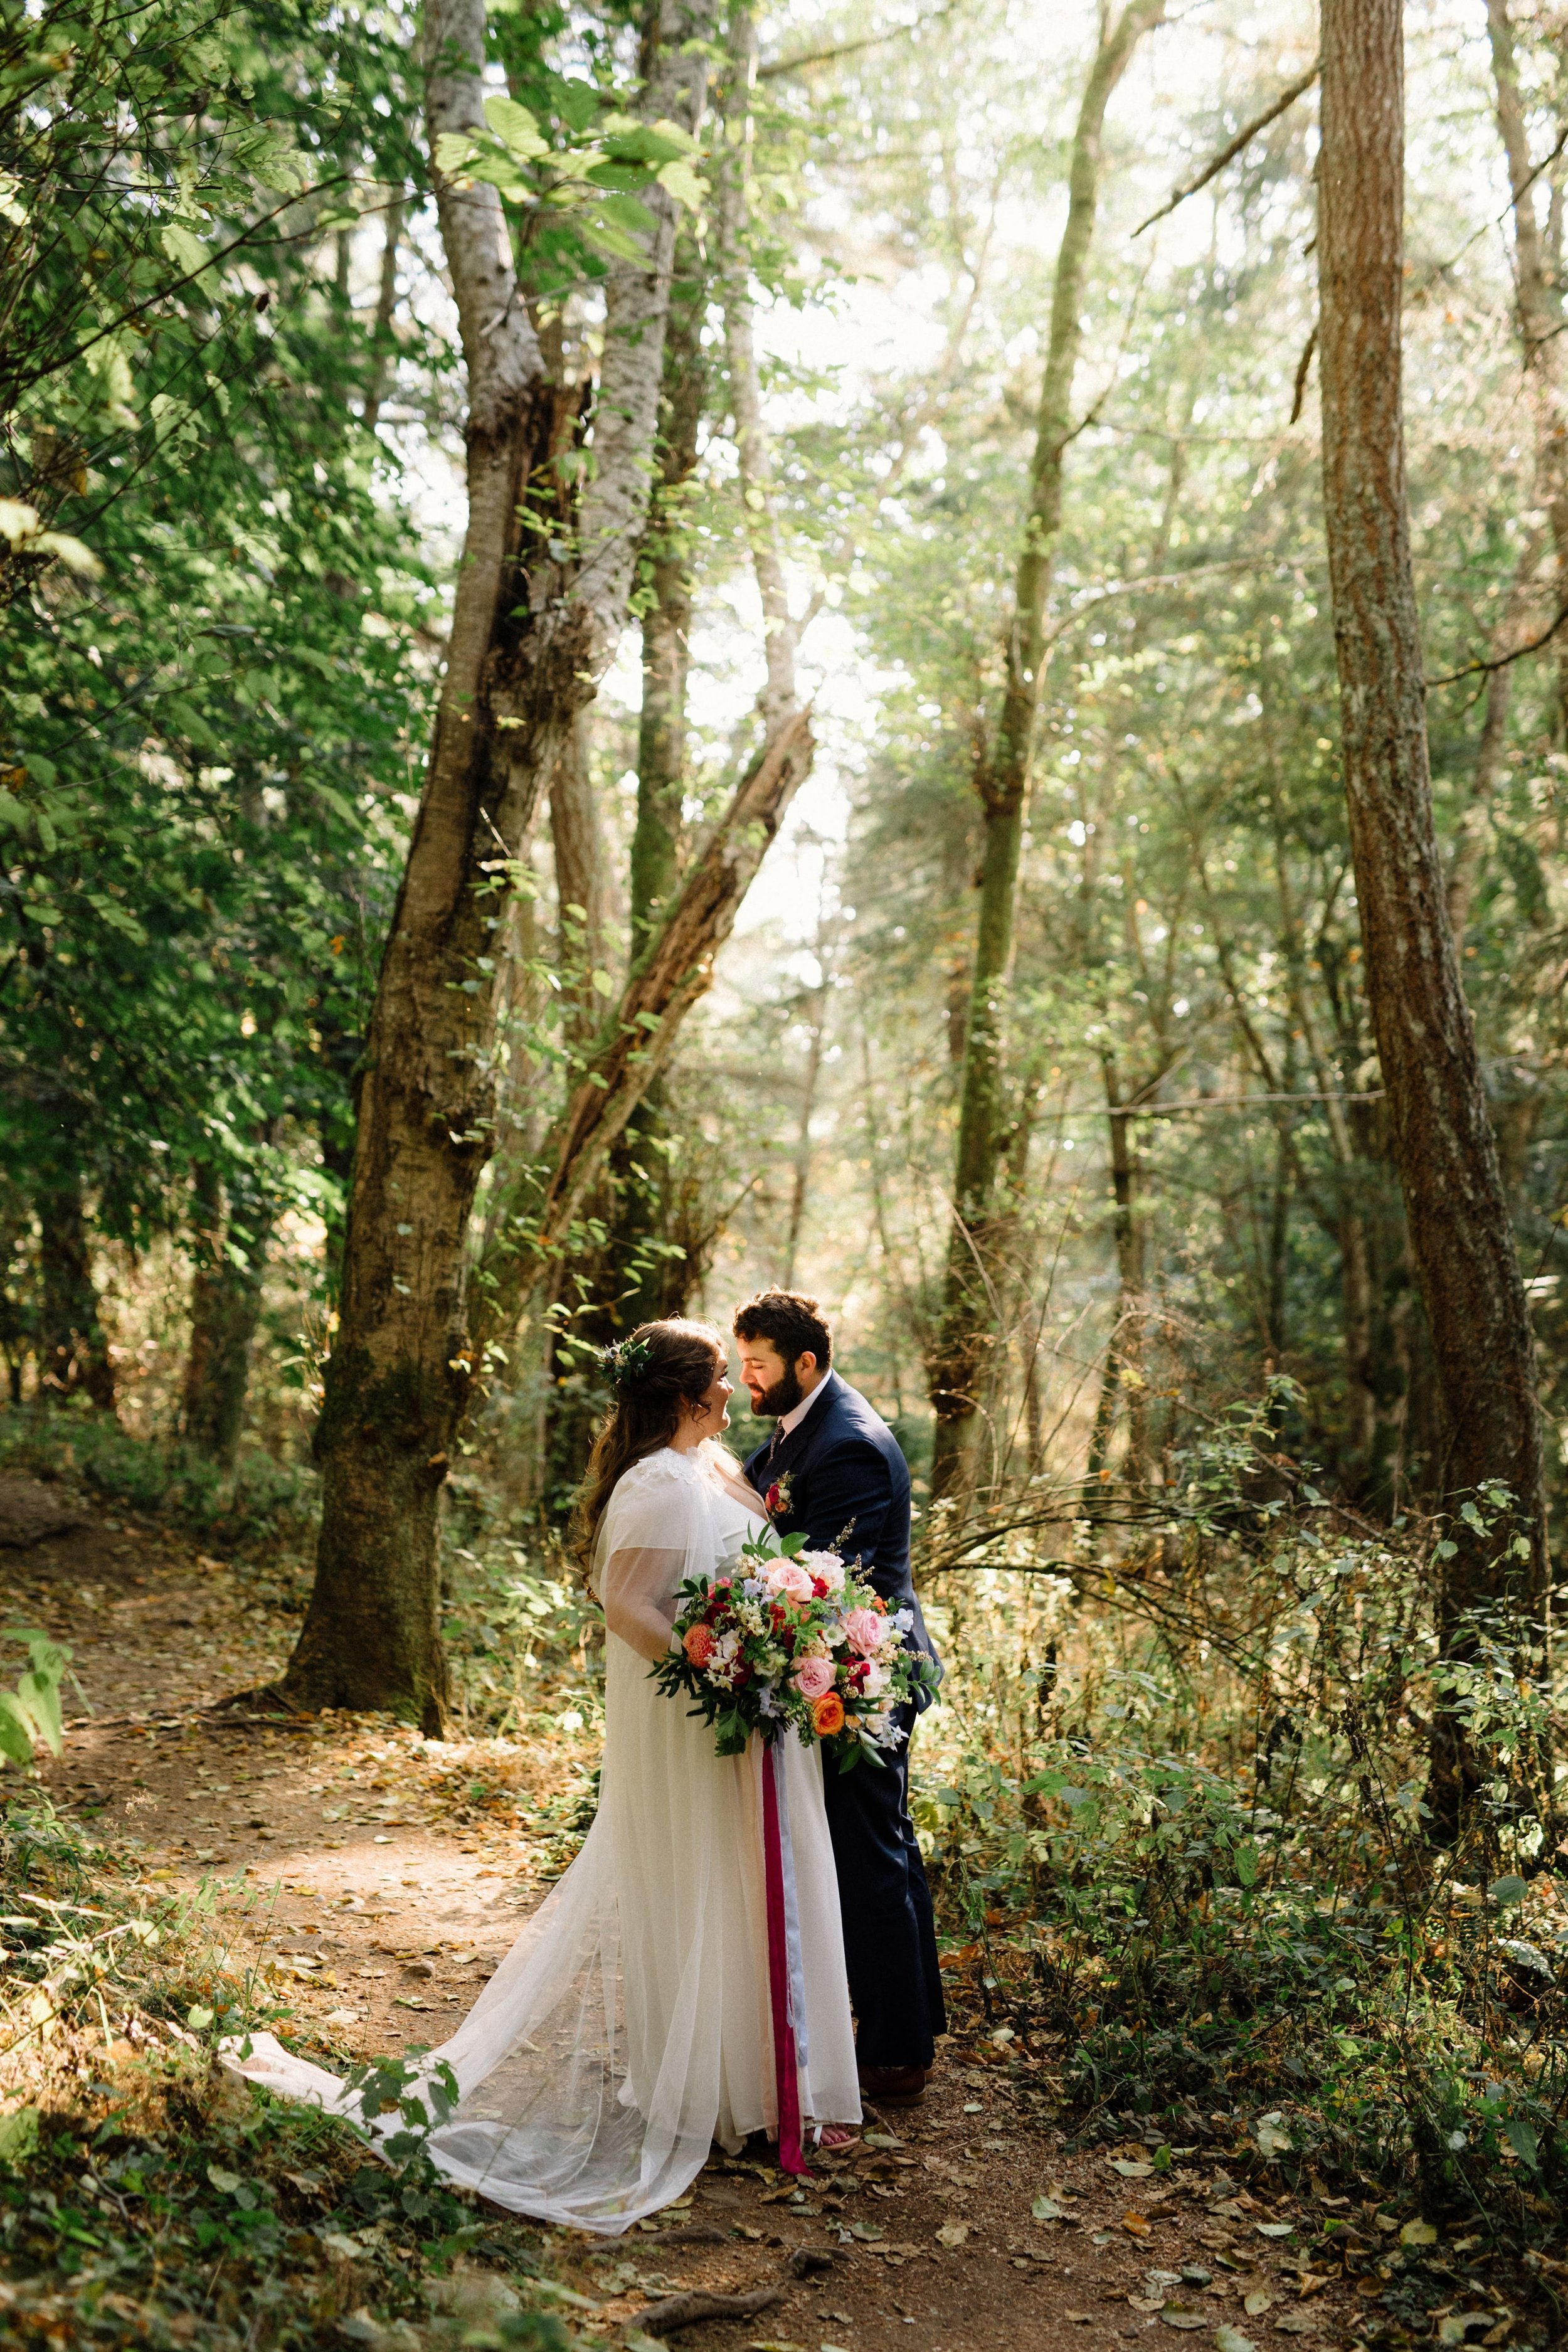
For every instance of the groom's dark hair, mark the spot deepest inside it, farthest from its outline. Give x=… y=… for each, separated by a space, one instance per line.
x=796 y=1324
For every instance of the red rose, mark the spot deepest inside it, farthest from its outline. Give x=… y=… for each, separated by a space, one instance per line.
x=772 y=1500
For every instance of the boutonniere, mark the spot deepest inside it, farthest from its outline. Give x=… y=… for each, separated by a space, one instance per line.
x=776 y=1501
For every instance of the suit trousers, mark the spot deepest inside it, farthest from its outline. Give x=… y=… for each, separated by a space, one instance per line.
x=890 y=1933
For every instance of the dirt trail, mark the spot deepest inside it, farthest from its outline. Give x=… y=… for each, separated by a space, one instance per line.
x=378 y=1878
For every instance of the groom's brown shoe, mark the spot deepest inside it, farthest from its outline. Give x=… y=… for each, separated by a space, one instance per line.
x=894 y=2086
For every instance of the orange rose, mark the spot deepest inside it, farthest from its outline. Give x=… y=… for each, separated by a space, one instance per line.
x=827 y=1715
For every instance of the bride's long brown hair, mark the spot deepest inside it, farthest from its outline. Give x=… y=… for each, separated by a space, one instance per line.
x=660 y=1368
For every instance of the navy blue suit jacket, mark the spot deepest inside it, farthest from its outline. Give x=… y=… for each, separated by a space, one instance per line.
x=848 y=1493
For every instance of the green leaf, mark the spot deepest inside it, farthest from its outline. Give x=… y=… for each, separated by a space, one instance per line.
x=682 y=183
x=198 y=2019
x=1509 y=1893
x=39 y=1697
x=187 y=252
x=18 y=2136
x=516 y=127
x=455 y=150
x=16 y=1731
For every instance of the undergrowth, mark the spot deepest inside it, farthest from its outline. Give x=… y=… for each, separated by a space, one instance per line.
x=147 y=2194
x=260 y=1501
x=1175 y=1816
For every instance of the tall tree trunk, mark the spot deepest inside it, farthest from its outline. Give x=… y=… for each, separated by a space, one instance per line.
x=535 y=624
x=226 y=1308
x=382 y=344
x=73 y=1351
x=1460 y=1233
x=667 y=622
x=577 y=841
x=1539 y=301
x=645 y=1279
x=676 y=968
x=966 y=1330
x=800 y=1170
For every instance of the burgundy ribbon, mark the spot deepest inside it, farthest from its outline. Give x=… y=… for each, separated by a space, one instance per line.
x=785 y=2074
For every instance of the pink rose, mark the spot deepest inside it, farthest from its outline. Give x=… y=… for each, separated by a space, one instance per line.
x=813 y=1677
x=786 y=1580
x=865 y=1631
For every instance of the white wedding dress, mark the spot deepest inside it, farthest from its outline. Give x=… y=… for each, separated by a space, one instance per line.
x=629 y=2026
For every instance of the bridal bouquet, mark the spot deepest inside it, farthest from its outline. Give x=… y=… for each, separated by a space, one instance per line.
x=786 y=1639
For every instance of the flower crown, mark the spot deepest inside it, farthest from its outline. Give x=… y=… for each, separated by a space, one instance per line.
x=627 y=1361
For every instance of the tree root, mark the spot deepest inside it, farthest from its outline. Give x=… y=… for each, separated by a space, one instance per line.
x=685 y=2310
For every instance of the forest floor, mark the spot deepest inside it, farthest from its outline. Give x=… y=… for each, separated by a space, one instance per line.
x=371 y=1880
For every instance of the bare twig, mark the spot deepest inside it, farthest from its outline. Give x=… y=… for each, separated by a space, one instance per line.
x=849 y=48
x=1243 y=138
x=1501 y=661
x=1303 y=363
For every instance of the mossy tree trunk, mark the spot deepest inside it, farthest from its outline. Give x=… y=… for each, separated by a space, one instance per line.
x=966 y=1330
x=1461 y=1236
x=536 y=622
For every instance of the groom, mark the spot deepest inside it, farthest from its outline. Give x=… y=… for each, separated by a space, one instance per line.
x=834 y=1473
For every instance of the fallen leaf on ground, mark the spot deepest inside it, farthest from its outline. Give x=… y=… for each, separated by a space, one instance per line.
x=1046 y=2209
x=1298 y=2323
x=1258 y=2302
x=1418 y=2234
x=1231 y=2339
x=1274 y=2229
x=1135 y=2225
x=1129 y=2170
x=953 y=2234
x=1182 y=2315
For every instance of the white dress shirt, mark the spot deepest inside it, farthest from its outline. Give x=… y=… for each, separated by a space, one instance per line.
x=791 y=1421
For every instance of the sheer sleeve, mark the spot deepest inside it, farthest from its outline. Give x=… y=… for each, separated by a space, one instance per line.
x=638 y=1586
x=657 y=1531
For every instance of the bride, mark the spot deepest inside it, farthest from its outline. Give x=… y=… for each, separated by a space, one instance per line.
x=629 y=2026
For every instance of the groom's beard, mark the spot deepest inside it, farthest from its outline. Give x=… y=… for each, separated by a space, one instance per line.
x=782 y=1397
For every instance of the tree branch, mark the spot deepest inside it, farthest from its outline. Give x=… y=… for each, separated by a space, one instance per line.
x=1500 y=661
x=1243 y=138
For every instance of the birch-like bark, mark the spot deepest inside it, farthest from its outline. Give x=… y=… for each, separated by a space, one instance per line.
x=966 y=1332
x=1461 y=1237
x=676 y=969
x=535 y=622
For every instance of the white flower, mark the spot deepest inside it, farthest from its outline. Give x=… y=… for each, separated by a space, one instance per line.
x=827 y=1565
x=904 y=1619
